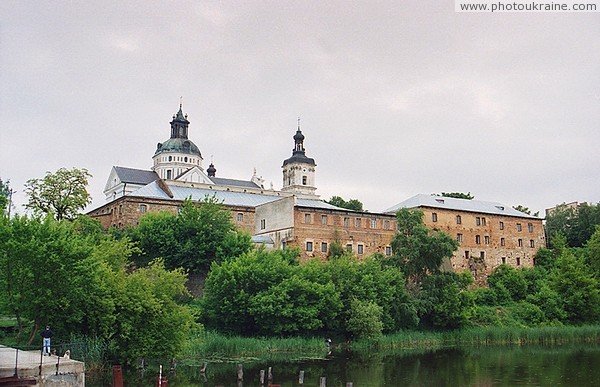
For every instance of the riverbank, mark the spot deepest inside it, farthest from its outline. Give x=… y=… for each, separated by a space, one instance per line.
x=213 y=346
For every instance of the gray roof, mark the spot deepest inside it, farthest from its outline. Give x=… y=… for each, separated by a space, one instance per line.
x=479 y=206
x=230 y=198
x=234 y=182
x=135 y=176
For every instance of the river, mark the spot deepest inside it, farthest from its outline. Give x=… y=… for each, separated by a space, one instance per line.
x=569 y=365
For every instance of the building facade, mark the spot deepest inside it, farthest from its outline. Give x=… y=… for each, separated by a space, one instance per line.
x=489 y=234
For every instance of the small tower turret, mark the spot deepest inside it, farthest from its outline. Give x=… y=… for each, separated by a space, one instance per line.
x=299 y=170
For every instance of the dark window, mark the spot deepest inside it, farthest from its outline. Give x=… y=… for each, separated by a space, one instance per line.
x=434 y=217
x=349 y=247
x=458 y=219
x=360 y=249
x=309 y=246
x=478 y=239
x=323 y=247
x=501 y=225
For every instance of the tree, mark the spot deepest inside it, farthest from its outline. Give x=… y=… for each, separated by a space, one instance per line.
x=352 y=204
x=445 y=301
x=62 y=194
x=577 y=224
x=417 y=250
x=525 y=210
x=5 y=193
x=458 y=195
x=199 y=235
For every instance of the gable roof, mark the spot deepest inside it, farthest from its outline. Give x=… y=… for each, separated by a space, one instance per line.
x=135 y=176
x=234 y=182
x=466 y=205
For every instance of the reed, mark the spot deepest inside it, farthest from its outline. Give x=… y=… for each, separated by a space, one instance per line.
x=481 y=336
x=91 y=350
x=211 y=345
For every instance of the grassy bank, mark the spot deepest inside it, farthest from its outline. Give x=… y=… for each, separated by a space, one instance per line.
x=484 y=336
x=213 y=346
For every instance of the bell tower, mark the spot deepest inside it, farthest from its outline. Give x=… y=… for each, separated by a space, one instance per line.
x=299 y=170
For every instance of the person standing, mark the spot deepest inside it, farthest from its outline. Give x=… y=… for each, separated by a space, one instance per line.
x=46 y=335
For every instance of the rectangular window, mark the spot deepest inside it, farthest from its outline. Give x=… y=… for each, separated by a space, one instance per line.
x=323 y=219
x=303 y=180
x=323 y=247
x=240 y=217
x=307 y=218
x=434 y=217
x=478 y=239
x=519 y=228
x=502 y=242
x=143 y=208
x=482 y=255
x=388 y=250
x=458 y=219
x=520 y=242
x=501 y=225
x=531 y=243
x=358 y=222
x=486 y=240
x=530 y=227
x=309 y=246
x=518 y=261
x=466 y=254
x=263 y=224
x=373 y=224
x=504 y=260
x=346 y=222
x=349 y=247
x=459 y=238
x=483 y=221
x=360 y=249
x=478 y=221
x=386 y=224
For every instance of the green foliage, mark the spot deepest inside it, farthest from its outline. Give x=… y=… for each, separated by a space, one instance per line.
x=418 y=250
x=578 y=288
x=445 y=301
x=576 y=224
x=280 y=297
x=62 y=194
x=364 y=319
x=352 y=204
x=525 y=210
x=592 y=253
x=458 y=195
x=508 y=283
x=201 y=234
x=75 y=278
x=4 y=196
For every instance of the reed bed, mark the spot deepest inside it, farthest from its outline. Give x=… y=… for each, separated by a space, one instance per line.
x=481 y=336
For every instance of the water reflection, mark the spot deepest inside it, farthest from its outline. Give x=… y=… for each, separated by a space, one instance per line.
x=486 y=366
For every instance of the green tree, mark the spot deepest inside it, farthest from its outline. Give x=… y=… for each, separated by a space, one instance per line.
x=458 y=195
x=364 y=319
x=352 y=204
x=5 y=193
x=592 y=252
x=200 y=234
x=578 y=288
x=508 y=283
x=577 y=224
x=445 y=301
x=525 y=210
x=418 y=250
x=62 y=194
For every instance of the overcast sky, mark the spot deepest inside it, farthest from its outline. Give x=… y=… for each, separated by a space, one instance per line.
x=395 y=98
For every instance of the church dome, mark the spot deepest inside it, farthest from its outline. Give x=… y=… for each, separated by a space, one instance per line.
x=178 y=145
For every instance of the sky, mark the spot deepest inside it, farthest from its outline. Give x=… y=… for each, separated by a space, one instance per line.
x=395 y=98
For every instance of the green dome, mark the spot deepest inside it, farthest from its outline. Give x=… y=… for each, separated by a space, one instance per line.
x=178 y=145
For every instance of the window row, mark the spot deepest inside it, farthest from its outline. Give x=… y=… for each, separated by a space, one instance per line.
x=486 y=240
x=347 y=221
x=482 y=221
x=360 y=248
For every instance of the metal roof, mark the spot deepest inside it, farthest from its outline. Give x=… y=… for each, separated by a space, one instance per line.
x=234 y=182
x=317 y=204
x=431 y=201
x=135 y=176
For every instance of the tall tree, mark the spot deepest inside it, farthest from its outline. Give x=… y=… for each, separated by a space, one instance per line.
x=577 y=224
x=200 y=234
x=418 y=250
x=525 y=210
x=352 y=204
x=62 y=194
